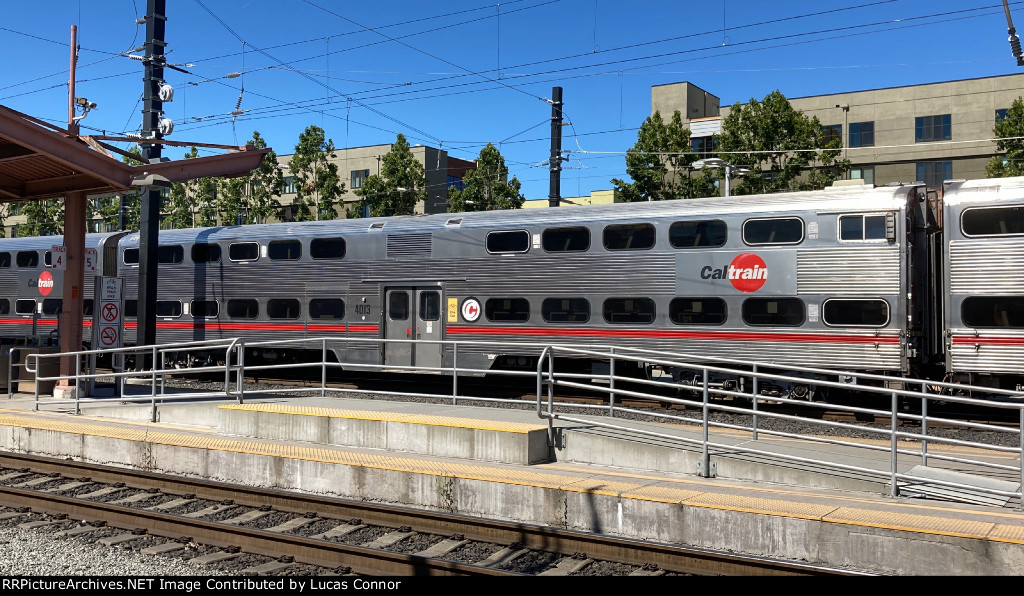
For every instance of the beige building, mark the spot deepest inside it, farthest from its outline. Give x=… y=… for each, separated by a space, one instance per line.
x=596 y=197
x=930 y=132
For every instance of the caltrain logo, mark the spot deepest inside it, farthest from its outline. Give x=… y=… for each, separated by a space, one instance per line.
x=746 y=273
x=45 y=283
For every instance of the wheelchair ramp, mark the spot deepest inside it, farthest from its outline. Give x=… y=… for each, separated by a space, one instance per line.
x=973 y=491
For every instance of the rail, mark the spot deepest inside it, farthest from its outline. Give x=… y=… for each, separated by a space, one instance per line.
x=909 y=438
x=902 y=445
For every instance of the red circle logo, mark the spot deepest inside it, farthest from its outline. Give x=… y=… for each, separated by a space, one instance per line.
x=45 y=283
x=747 y=272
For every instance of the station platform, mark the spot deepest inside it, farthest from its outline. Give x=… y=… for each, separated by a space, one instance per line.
x=499 y=463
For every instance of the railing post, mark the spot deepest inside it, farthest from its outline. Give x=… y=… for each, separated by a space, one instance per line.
x=611 y=382
x=152 y=383
x=78 y=385
x=705 y=455
x=240 y=375
x=754 y=396
x=323 y=367
x=924 y=424
x=894 y=488
x=1020 y=457
x=10 y=371
x=455 y=372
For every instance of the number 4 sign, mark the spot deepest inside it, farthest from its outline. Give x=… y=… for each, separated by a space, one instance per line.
x=58 y=258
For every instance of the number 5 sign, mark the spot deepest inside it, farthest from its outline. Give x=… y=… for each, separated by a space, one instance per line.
x=91 y=257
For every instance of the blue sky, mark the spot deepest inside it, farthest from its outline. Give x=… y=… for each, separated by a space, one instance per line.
x=461 y=74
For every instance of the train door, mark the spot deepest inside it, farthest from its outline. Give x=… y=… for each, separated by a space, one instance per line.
x=413 y=314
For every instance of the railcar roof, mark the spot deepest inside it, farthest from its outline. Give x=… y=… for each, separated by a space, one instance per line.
x=985 y=190
x=859 y=198
x=47 y=242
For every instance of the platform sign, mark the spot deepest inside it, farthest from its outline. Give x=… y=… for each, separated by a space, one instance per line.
x=92 y=257
x=108 y=317
x=58 y=257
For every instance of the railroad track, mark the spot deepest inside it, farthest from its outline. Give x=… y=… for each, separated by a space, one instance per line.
x=277 y=532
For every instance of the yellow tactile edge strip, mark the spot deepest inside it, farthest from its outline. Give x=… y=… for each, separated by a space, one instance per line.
x=471 y=423
x=776 y=507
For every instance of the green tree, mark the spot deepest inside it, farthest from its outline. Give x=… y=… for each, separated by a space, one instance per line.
x=192 y=203
x=265 y=184
x=487 y=187
x=660 y=164
x=5 y=212
x=784 y=149
x=42 y=218
x=400 y=185
x=1009 y=131
x=317 y=184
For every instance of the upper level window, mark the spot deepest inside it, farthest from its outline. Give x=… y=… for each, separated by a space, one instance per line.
x=131 y=256
x=575 y=239
x=358 y=177
x=283 y=308
x=993 y=221
x=326 y=308
x=288 y=185
x=865 y=173
x=240 y=308
x=168 y=308
x=244 y=251
x=284 y=250
x=629 y=310
x=52 y=306
x=203 y=308
x=855 y=312
x=863 y=227
x=1001 y=114
x=933 y=173
x=565 y=310
x=205 y=253
x=785 y=312
x=327 y=248
x=25 y=306
x=862 y=134
x=507 y=310
x=5 y=260
x=171 y=253
x=5 y=306
x=775 y=230
x=832 y=132
x=510 y=241
x=28 y=258
x=629 y=236
x=933 y=128
x=691 y=234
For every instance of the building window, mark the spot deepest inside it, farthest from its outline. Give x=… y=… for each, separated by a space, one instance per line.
x=862 y=134
x=704 y=145
x=288 y=187
x=933 y=128
x=832 y=132
x=933 y=173
x=1001 y=114
x=865 y=173
x=456 y=182
x=358 y=177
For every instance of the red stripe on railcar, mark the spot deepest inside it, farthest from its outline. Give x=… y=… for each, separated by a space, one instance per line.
x=670 y=334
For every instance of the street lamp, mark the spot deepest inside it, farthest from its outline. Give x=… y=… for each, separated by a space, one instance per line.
x=715 y=162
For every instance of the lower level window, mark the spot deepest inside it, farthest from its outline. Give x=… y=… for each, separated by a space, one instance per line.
x=993 y=311
x=629 y=310
x=697 y=311
x=507 y=310
x=856 y=312
x=784 y=312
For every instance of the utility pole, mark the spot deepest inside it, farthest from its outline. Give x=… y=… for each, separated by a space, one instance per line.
x=555 y=164
x=149 y=226
x=1014 y=40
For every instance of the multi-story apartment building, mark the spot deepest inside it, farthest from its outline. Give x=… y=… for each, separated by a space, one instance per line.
x=931 y=132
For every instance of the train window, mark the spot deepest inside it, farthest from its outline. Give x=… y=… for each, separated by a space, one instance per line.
x=168 y=308
x=238 y=308
x=203 y=308
x=28 y=258
x=507 y=310
x=283 y=308
x=629 y=310
x=25 y=307
x=697 y=311
x=854 y=312
x=284 y=250
x=170 y=253
x=566 y=239
x=131 y=309
x=862 y=227
x=326 y=308
x=565 y=310
x=52 y=306
x=327 y=248
x=5 y=306
x=430 y=306
x=629 y=237
x=5 y=260
x=398 y=306
x=244 y=251
x=131 y=256
x=87 y=307
x=993 y=221
x=47 y=259
x=993 y=311
x=775 y=230
x=785 y=312
x=690 y=234
x=512 y=241
x=205 y=253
